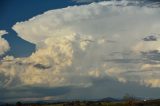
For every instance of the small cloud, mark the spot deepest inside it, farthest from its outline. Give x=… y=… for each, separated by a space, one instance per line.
x=4 y=45
x=41 y=66
x=150 y=38
x=95 y=73
x=86 y=1
x=124 y=60
x=152 y=54
x=3 y=32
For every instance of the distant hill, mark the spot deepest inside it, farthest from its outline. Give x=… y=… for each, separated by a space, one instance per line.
x=103 y=102
x=110 y=99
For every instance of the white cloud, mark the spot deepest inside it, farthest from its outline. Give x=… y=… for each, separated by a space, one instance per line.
x=4 y=46
x=79 y=43
x=111 y=1
x=86 y=1
x=3 y=32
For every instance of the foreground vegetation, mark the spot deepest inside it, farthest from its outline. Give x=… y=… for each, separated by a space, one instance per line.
x=94 y=103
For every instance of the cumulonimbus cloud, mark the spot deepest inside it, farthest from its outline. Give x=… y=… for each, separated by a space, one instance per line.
x=74 y=45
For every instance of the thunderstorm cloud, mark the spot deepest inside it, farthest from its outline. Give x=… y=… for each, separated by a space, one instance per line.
x=78 y=45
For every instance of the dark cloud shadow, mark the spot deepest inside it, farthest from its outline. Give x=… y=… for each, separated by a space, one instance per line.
x=32 y=92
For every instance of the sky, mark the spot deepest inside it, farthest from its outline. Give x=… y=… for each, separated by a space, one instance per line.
x=79 y=49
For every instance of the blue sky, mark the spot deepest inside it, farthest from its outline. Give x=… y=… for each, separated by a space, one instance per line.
x=63 y=49
x=18 y=10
